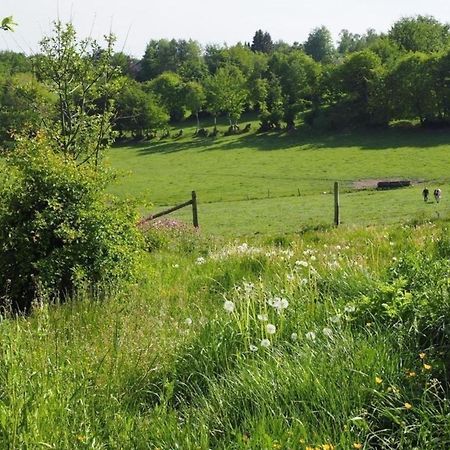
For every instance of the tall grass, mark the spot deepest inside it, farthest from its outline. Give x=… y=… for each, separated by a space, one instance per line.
x=317 y=341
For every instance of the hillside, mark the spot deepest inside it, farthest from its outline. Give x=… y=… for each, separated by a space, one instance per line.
x=281 y=182
x=332 y=340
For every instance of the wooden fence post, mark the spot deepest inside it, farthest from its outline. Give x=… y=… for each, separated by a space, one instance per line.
x=194 y=210
x=336 y=204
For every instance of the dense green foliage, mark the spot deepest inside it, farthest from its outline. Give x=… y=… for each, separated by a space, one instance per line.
x=58 y=229
x=365 y=80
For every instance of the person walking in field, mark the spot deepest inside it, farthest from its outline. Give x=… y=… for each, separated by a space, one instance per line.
x=425 y=194
x=437 y=195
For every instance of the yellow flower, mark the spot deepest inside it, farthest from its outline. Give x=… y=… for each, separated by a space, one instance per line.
x=327 y=447
x=378 y=380
x=422 y=355
x=411 y=374
x=357 y=445
x=408 y=405
x=427 y=367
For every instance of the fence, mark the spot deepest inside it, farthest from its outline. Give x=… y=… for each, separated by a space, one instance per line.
x=192 y=201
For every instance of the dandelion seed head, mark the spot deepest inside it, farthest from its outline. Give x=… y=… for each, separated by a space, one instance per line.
x=328 y=332
x=263 y=317
x=228 y=306
x=265 y=343
x=310 y=335
x=253 y=348
x=294 y=336
x=271 y=328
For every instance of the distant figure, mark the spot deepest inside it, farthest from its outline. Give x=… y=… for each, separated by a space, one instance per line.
x=425 y=194
x=437 y=195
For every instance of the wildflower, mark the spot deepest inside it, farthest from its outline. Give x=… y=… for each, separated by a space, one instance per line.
x=327 y=447
x=311 y=335
x=265 y=343
x=411 y=374
x=270 y=328
x=422 y=355
x=335 y=319
x=175 y=266
x=290 y=277
x=294 y=336
x=313 y=258
x=349 y=309
x=228 y=306
x=248 y=287
x=278 y=303
x=200 y=260
x=328 y=332
x=304 y=281
x=357 y=445
x=408 y=405
x=301 y=263
x=263 y=317
x=188 y=321
x=378 y=380
x=253 y=348
x=427 y=366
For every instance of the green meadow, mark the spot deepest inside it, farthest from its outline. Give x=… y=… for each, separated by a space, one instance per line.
x=282 y=182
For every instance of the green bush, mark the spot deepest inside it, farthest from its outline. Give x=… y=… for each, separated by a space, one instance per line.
x=58 y=229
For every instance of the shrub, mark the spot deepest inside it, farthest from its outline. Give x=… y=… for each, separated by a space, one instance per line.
x=57 y=229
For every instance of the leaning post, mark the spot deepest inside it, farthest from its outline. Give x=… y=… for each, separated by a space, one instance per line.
x=194 y=210
x=336 y=204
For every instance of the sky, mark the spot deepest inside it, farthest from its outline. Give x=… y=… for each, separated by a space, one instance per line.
x=136 y=22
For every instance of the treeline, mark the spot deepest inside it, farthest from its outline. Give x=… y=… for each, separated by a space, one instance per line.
x=364 y=80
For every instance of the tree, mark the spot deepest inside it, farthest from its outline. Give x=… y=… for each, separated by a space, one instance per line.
x=298 y=75
x=226 y=92
x=412 y=85
x=262 y=42
x=84 y=81
x=179 y=56
x=420 y=34
x=169 y=88
x=319 y=45
x=195 y=97
x=138 y=111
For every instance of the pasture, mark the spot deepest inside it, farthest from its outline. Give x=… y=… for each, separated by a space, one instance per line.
x=282 y=182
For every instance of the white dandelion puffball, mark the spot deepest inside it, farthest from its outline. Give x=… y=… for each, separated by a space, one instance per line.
x=328 y=332
x=228 y=306
x=310 y=335
x=270 y=328
x=301 y=263
x=265 y=343
x=263 y=317
x=200 y=260
x=188 y=321
x=294 y=336
x=349 y=309
x=335 y=319
x=253 y=348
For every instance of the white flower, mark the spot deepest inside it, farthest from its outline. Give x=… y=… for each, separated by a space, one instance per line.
x=188 y=321
x=200 y=260
x=310 y=335
x=335 y=319
x=304 y=281
x=175 y=266
x=248 y=287
x=265 y=343
x=263 y=317
x=253 y=348
x=301 y=263
x=349 y=309
x=228 y=306
x=290 y=277
x=284 y=303
x=294 y=336
x=270 y=328
x=328 y=332
x=313 y=258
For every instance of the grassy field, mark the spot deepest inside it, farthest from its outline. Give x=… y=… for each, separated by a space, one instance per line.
x=337 y=340
x=256 y=183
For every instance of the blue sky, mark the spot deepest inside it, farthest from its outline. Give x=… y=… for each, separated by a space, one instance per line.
x=135 y=22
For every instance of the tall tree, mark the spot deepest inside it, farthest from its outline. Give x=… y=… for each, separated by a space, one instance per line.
x=195 y=97
x=262 y=42
x=420 y=34
x=319 y=45
x=84 y=81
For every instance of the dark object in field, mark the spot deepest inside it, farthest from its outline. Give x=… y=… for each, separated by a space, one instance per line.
x=178 y=135
x=393 y=184
x=247 y=128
